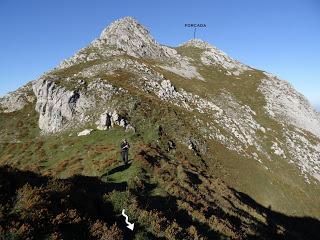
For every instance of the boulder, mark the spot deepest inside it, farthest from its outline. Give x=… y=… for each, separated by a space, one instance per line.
x=85 y=132
x=130 y=128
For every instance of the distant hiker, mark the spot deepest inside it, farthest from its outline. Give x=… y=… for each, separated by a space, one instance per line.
x=125 y=150
x=108 y=121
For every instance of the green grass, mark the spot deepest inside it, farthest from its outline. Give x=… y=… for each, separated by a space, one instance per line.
x=64 y=155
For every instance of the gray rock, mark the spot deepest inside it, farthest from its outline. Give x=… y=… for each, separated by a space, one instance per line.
x=212 y=56
x=115 y=117
x=130 y=128
x=127 y=34
x=57 y=107
x=16 y=100
x=111 y=118
x=122 y=123
x=104 y=122
x=285 y=104
x=85 y=132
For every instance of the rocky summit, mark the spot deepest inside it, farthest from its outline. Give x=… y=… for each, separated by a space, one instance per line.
x=219 y=150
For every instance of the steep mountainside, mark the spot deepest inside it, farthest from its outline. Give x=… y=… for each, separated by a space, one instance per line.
x=206 y=132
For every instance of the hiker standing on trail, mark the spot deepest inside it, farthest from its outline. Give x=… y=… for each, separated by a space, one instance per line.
x=125 y=151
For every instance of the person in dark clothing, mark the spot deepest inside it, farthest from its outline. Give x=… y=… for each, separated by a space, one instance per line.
x=125 y=151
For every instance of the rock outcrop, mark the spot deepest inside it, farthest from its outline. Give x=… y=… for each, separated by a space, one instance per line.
x=287 y=105
x=16 y=100
x=111 y=118
x=58 y=107
x=130 y=36
x=213 y=56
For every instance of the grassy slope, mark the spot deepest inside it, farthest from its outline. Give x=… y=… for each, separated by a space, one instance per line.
x=155 y=185
x=283 y=187
x=97 y=154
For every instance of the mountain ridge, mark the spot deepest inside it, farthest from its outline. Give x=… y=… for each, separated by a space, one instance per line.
x=195 y=117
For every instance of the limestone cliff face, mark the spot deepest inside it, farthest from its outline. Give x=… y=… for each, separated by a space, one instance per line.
x=57 y=106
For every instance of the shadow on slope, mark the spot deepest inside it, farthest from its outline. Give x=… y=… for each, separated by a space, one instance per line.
x=43 y=207
x=117 y=169
x=294 y=227
x=168 y=206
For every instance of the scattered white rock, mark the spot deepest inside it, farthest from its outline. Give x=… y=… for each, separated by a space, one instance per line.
x=183 y=68
x=287 y=105
x=85 y=132
x=277 y=150
x=303 y=153
x=213 y=56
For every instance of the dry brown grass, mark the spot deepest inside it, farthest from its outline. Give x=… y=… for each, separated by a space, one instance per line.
x=72 y=165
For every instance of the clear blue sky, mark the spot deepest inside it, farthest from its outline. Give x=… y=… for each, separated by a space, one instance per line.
x=282 y=37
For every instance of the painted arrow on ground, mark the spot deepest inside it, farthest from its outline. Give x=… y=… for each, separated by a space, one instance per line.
x=130 y=225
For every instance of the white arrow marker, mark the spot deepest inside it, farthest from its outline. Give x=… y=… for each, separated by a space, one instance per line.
x=130 y=225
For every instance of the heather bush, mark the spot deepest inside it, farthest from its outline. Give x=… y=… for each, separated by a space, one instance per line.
x=119 y=199
x=101 y=231
x=31 y=203
x=173 y=231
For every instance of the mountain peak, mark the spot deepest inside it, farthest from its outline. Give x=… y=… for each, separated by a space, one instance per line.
x=123 y=25
x=129 y=35
x=196 y=42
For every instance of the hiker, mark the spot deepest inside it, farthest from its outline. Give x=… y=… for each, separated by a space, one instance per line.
x=125 y=150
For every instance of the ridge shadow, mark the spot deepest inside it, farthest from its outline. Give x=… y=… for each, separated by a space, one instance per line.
x=71 y=206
